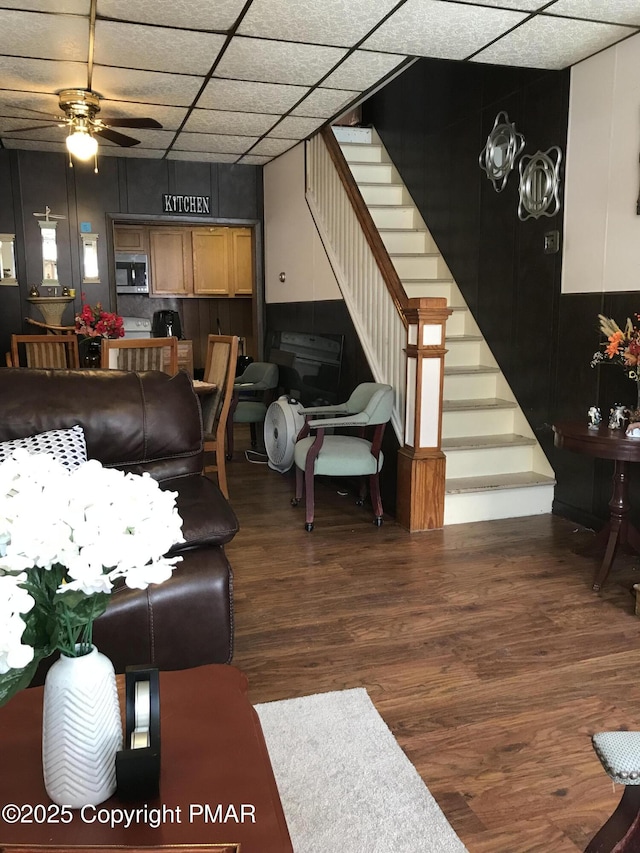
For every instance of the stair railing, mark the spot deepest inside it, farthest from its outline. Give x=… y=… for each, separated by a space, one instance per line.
x=403 y=339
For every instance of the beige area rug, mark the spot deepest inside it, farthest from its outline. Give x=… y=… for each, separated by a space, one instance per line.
x=345 y=783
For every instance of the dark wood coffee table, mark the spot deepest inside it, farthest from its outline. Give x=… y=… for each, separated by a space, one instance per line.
x=216 y=784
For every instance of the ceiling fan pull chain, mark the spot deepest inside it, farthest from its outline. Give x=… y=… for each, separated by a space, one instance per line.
x=95 y=163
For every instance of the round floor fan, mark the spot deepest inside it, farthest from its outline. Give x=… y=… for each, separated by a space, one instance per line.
x=282 y=423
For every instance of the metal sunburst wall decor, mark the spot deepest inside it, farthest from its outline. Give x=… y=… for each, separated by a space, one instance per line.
x=539 y=184
x=498 y=156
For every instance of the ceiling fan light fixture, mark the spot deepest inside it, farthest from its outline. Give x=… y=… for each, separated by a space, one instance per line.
x=81 y=144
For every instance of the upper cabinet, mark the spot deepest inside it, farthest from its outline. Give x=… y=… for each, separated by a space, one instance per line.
x=131 y=238
x=170 y=266
x=194 y=261
x=211 y=261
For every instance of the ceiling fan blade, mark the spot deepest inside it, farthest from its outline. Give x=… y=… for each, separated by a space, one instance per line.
x=49 y=115
x=132 y=122
x=42 y=126
x=118 y=138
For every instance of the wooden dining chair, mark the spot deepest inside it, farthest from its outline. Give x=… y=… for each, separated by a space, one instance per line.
x=44 y=351
x=220 y=370
x=140 y=354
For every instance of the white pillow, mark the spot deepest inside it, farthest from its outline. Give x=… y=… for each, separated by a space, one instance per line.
x=67 y=445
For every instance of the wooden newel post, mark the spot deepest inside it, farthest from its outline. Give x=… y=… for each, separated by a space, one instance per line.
x=421 y=462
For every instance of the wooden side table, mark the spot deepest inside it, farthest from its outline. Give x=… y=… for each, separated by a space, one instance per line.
x=604 y=443
x=216 y=782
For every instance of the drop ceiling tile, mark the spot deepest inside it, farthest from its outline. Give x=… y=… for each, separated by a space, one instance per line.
x=192 y=14
x=45 y=36
x=121 y=84
x=362 y=70
x=70 y=7
x=553 y=43
x=223 y=121
x=253 y=160
x=169 y=117
x=202 y=156
x=324 y=103
x=116 y=151
x=41 y=75
x=328 y=22
x=441 y=29
x=274 y=147
x=277 y=61
x=140 y=46
x=214 y=142
x=250 y=97
x=611 y=11
x=293 y=127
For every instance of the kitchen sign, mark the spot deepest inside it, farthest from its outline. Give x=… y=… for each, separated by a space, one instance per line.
x=186 y=204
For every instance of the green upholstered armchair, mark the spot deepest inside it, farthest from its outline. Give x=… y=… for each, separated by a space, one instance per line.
x=315 y=453
x=253 y=391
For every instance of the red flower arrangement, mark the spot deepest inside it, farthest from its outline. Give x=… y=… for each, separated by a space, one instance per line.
x=622 y=347
x=96 y=323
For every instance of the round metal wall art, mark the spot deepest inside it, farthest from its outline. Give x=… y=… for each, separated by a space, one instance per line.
x=498 y=156
x=539 y=184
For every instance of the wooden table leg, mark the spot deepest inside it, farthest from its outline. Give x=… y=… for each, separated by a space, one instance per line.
x=619 y=530
x=621 y=833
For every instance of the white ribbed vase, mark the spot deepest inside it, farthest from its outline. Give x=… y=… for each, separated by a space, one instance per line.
x=81 y=730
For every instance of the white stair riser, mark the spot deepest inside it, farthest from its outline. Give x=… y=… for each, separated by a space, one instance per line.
x=456 y=323
x=384 y=194
x=462 y=353
x=374 y=173
x=394 y=217
x=470 y=422
x=488 y=460
x=470 y=386
x=497 y=503
x=446 y=289
x=420 y=266
x=362 y=153
x=407 y=242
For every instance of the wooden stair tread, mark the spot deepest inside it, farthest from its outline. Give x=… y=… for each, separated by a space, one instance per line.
x=519 y=480
x=480 y=403
x=470 y=369
x=483 y=442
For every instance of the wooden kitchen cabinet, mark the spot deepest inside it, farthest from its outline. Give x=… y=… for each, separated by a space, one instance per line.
x=130 y=238
x=241 y=267
x=171 y=261
x=210 y=261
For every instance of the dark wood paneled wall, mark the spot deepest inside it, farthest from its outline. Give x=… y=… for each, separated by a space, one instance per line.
x=29 y=180
x=434 y=120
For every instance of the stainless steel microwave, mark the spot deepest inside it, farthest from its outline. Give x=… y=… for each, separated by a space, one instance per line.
x=132 y=273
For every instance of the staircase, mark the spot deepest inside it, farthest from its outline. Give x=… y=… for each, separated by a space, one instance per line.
x=495 y=465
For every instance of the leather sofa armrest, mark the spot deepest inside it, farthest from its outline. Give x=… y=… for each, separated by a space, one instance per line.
x=184 y=622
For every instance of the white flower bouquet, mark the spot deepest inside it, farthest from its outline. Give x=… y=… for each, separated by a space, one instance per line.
x=65 y=538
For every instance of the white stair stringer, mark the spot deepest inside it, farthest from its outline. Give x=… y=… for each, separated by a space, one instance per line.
x=495 y=465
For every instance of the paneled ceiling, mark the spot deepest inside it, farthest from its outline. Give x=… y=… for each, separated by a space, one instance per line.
x=245 y=80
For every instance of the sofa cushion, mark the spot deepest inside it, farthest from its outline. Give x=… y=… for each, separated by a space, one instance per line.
x=67 y=445
x=207 y=517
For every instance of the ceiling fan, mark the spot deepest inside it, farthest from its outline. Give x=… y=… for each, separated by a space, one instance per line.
x=80 y=108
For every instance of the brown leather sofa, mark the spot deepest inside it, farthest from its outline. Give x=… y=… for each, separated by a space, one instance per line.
x=144 y=422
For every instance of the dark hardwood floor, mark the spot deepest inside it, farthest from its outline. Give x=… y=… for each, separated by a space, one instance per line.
x=481 y=645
